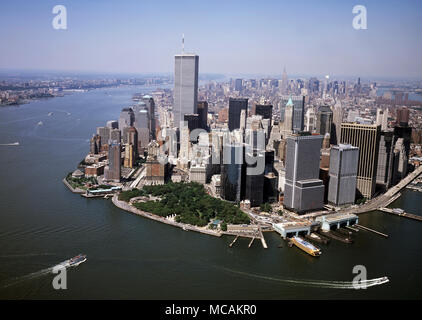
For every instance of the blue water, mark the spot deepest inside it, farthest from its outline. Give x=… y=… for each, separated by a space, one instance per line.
x=42 y=223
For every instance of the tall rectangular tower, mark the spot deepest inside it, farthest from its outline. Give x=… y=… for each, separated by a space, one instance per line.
x=186 y=68
x=367 y=138
x=304 y=190
x=343 y=174
x=235 y=108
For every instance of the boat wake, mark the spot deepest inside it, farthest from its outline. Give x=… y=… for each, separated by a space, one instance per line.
x=74 y=262
x=9 y=144
x=315 y=283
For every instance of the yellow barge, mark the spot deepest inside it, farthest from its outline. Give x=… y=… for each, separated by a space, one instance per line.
x=306 y=246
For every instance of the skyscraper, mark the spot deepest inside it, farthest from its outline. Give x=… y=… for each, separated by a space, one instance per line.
x=385 y=167
x=126 y=118
x=254 y=183
x=284 y=81
x=238 y=85
x=150 y=104
x=203 y=114
x=298 y=103
x=264 y=110
x=382 y=118
x=132 y=139
x=402 y=119
x=324 y=120
x=232 y=173
x=235 y=108
x=366 y=137
x=142 y=125
x=185 y=86
x=304 y=190
x=337 y=120
x=112 y=172
x=343 y=174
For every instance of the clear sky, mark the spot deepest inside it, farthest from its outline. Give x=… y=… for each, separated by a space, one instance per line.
x=230 y=36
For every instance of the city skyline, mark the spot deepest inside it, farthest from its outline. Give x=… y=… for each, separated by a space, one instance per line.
x=142 y=38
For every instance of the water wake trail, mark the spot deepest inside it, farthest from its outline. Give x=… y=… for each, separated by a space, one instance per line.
x=314 y=283
x=28 y=277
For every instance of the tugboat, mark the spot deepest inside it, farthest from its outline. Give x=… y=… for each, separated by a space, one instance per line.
x=75 y=261
x=306 y=246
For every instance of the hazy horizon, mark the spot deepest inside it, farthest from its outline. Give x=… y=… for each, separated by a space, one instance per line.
x=232 y=38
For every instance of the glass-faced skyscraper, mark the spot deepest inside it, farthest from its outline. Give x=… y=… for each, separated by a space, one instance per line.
x=186 y=68
x=235 y=108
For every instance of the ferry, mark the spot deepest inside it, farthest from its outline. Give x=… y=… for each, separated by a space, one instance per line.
x=306 y=246
x=75 y=261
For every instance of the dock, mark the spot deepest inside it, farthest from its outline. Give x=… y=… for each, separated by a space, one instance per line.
x=264 y=244
x=250 y=243
x=232 y=243
x=401 y=213
x=371 y=230
x=334 y=236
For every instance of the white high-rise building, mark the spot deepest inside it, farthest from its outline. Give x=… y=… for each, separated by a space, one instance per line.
x=186 y=68
x=382 y=118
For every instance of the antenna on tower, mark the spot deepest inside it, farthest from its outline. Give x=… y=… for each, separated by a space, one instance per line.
x=183 y=43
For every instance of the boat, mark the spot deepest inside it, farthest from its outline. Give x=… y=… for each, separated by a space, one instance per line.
x=75 y=261
x=40 y=123
x=50 y=113
x=306 y=246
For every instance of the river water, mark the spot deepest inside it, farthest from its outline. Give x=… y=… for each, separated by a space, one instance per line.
x=129 y=257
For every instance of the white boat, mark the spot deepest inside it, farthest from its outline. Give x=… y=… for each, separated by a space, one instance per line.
x=74 y=262
x=40 y=123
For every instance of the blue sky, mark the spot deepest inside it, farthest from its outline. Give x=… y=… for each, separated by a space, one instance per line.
x=231 y=37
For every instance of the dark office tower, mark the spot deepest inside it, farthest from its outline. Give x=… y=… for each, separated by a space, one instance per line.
x=235 y=108
x=132 y=139
x=324 y=122
x=238 y=85
x=270 y=187
x=115 y=135
x=366 y=137
x=343 y=174
x=113 y=171
x=298 y=111
x=150 y=104
x=185 y=86
x=402 y=119
x=303 y=190
x=232 y=172
x=142 y=125
x=264 y=110
x=126 y=118
x=113 y=124
x=385 y=174
x=192 y=123
x=95 y=144
x=203 y=114
x=104 y=133
x=254 y=185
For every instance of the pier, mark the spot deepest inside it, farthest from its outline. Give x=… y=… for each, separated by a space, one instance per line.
x=372 y=230
x=401 y=213
x=414 y=188
x=232 y=243
x=250 y=243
